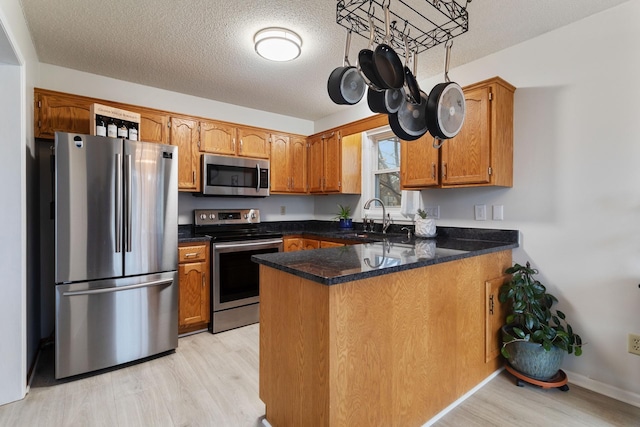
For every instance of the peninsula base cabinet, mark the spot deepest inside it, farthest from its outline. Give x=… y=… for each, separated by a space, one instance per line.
x=391 y=350
x=194 y=306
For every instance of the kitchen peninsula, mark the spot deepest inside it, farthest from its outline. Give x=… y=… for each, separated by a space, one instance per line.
x=387 y=333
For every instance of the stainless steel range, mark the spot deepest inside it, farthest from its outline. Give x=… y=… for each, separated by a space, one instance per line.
x=235 y=282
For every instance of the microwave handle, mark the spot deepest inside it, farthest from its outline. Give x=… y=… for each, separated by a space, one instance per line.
x=258 y=186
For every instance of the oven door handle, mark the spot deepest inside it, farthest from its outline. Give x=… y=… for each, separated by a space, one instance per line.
x=256 y=243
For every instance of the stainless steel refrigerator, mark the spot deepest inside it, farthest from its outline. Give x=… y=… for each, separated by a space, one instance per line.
x=116 y=251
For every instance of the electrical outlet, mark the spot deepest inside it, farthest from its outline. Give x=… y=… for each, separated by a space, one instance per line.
x=433 y=212
x=634 y=344
x=283 y=210
x=481 y=212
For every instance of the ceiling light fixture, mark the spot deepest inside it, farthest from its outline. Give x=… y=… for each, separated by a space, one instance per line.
x=277 y=44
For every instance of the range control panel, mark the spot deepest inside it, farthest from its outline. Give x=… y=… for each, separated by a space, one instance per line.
x=225 y=216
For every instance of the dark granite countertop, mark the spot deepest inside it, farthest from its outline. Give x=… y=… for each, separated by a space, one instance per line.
x=383 y=254
x=185 y=235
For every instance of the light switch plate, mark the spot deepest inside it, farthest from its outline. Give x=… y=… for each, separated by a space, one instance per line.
x=498 y=212
x=481 y=212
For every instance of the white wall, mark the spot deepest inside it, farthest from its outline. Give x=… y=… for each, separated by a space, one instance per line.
x=92 y=85
x=16 y=139
x=576 y=192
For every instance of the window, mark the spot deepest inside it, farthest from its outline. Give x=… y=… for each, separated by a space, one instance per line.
x=381 y=172
x=387 y=169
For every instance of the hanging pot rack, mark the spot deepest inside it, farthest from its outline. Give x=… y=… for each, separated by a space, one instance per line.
x=437 y=22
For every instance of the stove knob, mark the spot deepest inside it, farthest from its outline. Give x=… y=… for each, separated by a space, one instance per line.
x=203 y=216
x=246 y=216
x=253 y=216
x=212 y=216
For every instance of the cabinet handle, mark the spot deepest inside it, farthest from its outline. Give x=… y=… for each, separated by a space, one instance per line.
x=433 y=171
x=203 y=281
x=491 y=304
x=292 y=183
x=193 y=173
x=444 y=170
x=234 y=144
x=191 y=255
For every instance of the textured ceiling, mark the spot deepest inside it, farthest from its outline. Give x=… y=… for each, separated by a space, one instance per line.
x=205 y=48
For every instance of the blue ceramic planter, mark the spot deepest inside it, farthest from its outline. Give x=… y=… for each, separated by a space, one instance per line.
x=345 y=224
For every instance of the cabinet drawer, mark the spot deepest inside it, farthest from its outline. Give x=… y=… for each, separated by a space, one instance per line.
x=192 y=253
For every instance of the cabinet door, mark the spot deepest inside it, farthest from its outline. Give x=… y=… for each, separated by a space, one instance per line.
x=418 y=163
x=494 y=317
x=194 y=305
x=253 y=143
x=217 y=138
x=292 y=244
x=327 y=244
x=316 y=165
x=279 y=175
x=309 y=244
x=332 y=163
x=64 y=113
x=153 y=127
x=184 y=135
x=297 y=164
x=466 y=158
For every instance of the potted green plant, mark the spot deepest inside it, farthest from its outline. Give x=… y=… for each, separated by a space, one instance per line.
x=535 y=337
x=344 y=217
x=424 y=226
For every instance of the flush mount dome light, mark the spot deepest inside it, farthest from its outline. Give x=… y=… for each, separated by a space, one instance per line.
x=277 y=44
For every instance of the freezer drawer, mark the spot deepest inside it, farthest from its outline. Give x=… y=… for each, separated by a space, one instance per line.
x=108 y=322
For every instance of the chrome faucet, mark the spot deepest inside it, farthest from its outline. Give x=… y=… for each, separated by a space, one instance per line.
x=386 y=222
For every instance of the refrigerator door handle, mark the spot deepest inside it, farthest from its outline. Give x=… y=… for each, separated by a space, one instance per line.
x=127 y=203
x=117 y=289
x=118 y=203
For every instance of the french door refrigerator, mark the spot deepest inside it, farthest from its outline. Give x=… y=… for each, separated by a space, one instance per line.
x=116 y=251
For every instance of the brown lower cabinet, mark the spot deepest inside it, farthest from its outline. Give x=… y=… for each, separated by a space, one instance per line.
x=194 y=309
x=299 y=243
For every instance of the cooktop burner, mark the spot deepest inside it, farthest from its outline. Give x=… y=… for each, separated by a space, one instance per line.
x=230 y=225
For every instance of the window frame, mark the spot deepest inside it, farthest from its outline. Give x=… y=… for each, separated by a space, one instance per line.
x=369 y=168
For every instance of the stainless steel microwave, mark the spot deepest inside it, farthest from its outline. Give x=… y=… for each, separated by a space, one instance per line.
x=234 y=176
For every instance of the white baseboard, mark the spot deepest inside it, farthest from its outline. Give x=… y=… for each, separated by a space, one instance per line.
x=464 y=397
x=604 y=389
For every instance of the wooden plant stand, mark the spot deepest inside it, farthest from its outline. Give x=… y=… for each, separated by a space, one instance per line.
x=558 y=381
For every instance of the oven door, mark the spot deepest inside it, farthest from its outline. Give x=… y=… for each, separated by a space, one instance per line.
x=234 y=277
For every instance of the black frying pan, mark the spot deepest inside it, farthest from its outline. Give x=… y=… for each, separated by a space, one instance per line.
x=446 y=106
x=387 y=101
x=409 y=122
x=345 y=84
x=365 y=61
x=387 y=62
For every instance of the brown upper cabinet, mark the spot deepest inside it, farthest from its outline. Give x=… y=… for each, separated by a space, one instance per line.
x=419 y=163
x=480 y=155
x=185 y=136
x=61 y=112
x=253 y=142
x=335 y=163
x=288 y=164
x=232 y=140
x=217 y=138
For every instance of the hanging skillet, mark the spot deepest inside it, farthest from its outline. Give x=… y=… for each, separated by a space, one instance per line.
x=387 y=62
x=365 y=61
x=345 y=84
x=446 y=106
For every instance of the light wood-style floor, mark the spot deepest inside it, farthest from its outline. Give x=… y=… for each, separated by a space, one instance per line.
x=212 y=380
